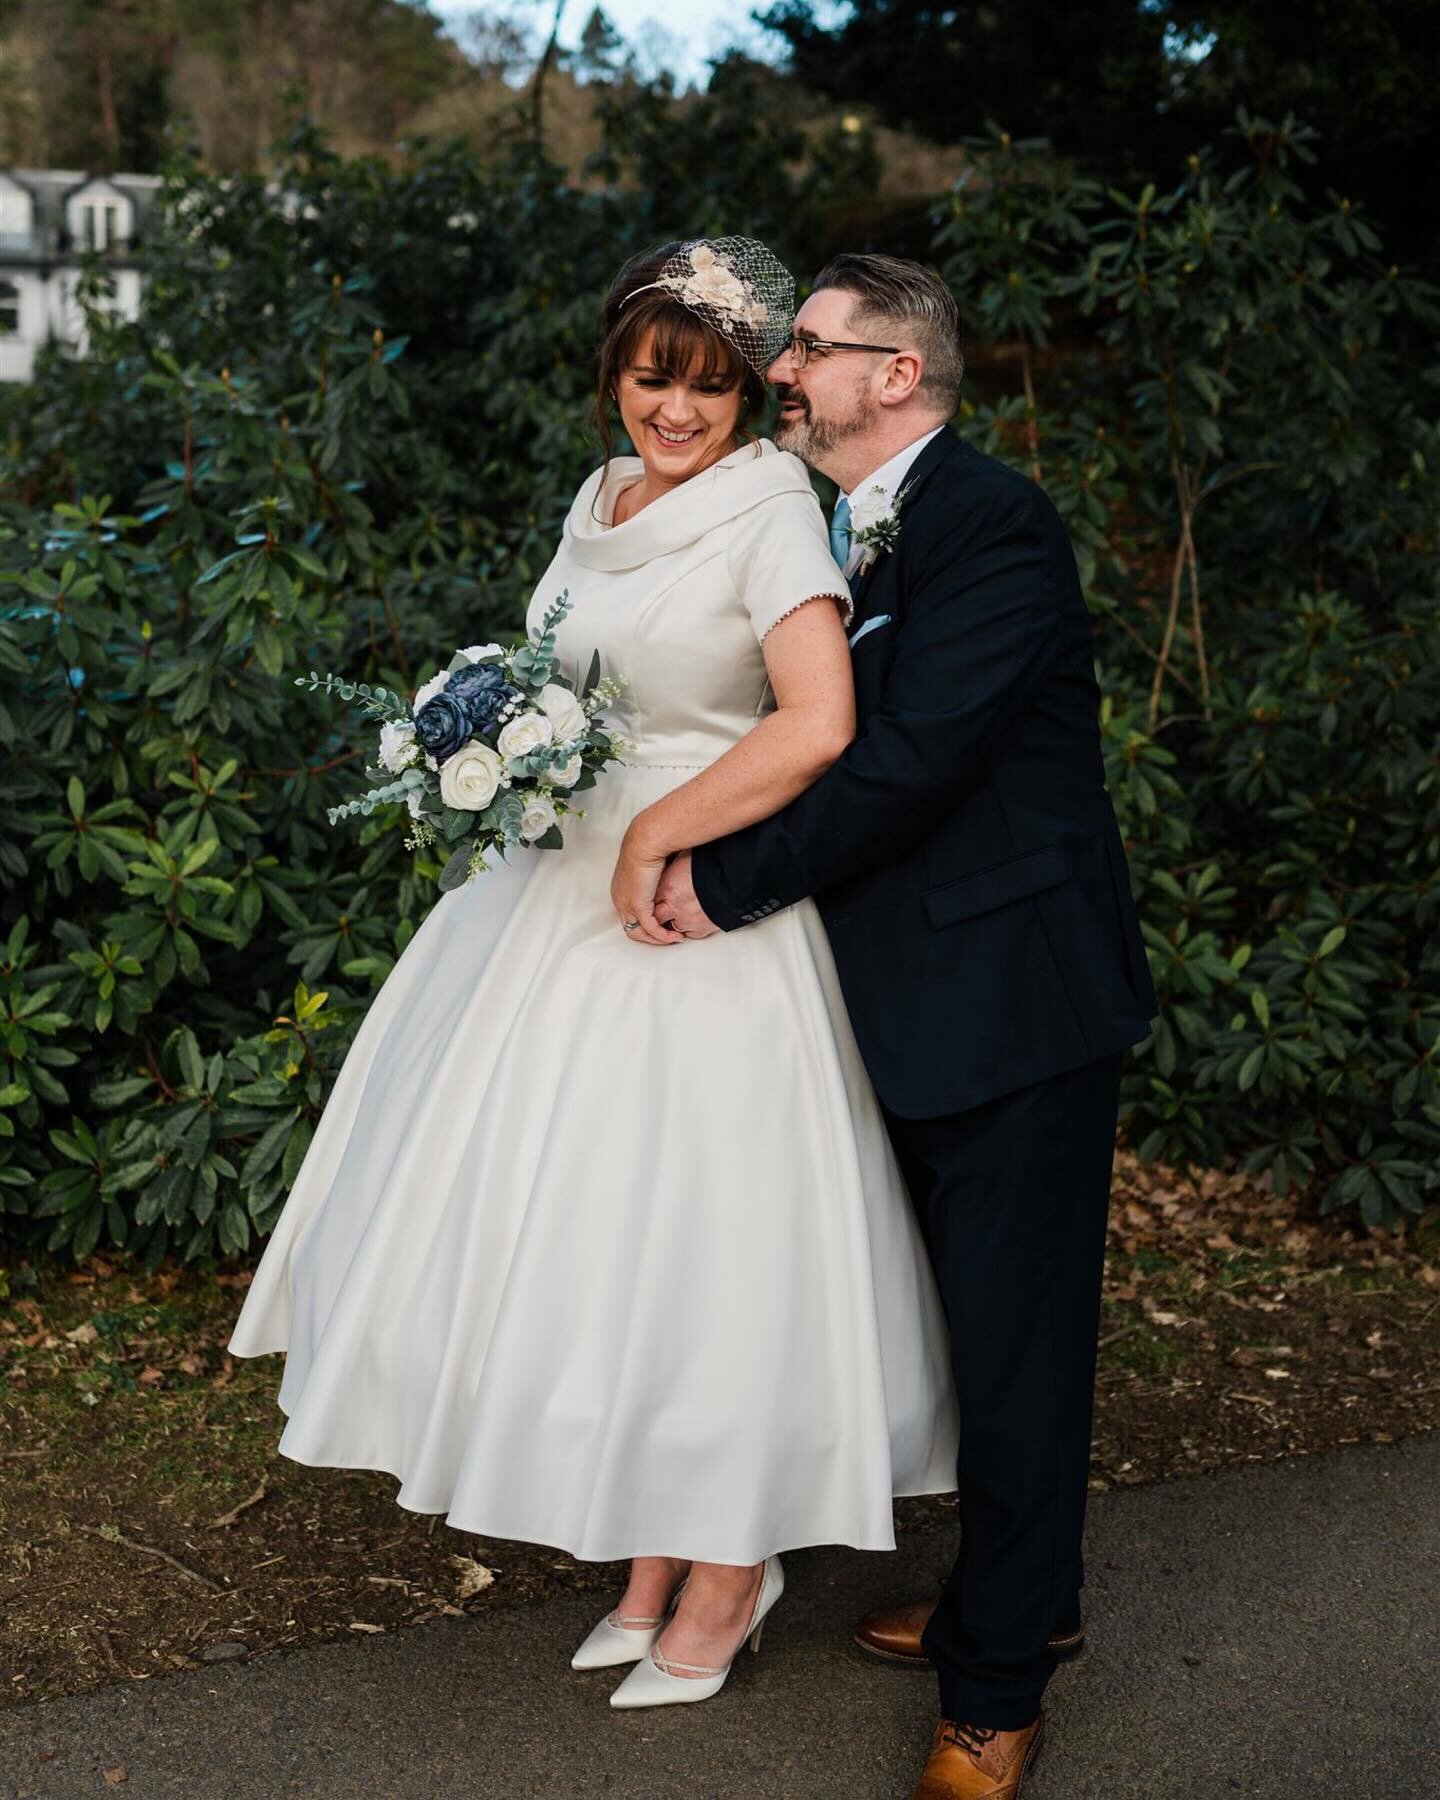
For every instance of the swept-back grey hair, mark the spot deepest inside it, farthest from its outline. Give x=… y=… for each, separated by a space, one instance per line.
x=893 y=291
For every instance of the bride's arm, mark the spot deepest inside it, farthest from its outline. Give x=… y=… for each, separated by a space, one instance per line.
x=808 y=661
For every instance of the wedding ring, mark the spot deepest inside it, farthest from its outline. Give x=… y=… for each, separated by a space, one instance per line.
x=632 y=925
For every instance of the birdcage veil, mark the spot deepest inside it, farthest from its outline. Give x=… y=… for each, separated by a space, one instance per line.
x=736 y=285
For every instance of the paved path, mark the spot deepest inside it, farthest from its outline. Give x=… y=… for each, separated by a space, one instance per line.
x=1271 y=1632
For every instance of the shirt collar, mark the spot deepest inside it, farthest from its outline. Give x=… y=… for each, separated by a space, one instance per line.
x=890 y=475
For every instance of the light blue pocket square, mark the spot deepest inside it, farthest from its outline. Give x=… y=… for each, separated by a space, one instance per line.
x=870 y=625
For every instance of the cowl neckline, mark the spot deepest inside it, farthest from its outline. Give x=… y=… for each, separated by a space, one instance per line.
x=747 y=476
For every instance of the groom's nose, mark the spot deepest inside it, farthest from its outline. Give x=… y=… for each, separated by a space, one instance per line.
x=782 y=371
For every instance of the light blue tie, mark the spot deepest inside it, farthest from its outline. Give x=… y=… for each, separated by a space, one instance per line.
x=840 y=532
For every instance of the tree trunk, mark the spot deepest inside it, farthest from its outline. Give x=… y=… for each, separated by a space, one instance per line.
x=105 y=93
x=542 y=69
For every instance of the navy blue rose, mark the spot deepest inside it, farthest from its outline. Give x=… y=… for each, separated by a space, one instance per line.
x=443 y=724
x=483 y=690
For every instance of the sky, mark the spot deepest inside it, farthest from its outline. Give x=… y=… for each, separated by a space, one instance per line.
x=682 y=35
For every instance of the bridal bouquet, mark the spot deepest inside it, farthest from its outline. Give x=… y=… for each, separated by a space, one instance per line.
x=492 y=751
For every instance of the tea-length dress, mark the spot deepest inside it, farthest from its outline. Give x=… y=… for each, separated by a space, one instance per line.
x=604 y=1246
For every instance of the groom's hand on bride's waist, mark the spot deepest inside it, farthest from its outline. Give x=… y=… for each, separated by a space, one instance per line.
x=675 y=903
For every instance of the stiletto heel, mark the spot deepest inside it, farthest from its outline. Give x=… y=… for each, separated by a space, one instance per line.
x=650 y=1682
x=618 y=1639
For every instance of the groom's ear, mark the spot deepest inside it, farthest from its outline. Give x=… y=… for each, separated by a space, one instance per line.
x=902 y=378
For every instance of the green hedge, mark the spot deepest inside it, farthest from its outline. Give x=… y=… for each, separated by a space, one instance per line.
x=343 y=434
x=1243 y=438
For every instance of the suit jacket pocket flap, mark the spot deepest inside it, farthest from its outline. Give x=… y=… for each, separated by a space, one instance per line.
x=1030 y=873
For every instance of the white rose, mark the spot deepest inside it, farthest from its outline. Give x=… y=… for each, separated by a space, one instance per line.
x=538 y=817
x=471 y=777
x=567 y=774
x=564 y=712
x=531 y=731
x=719 y=288
x=478 y=652
x=437 y=684
x=870 y=509
x=398 y=748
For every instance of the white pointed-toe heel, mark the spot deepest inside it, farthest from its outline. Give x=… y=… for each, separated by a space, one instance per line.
x=651 y=1683
x=618 y=1639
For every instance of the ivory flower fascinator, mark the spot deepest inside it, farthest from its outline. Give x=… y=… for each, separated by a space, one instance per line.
x=736 y=285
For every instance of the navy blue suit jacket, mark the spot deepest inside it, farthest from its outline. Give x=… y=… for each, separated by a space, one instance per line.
x=963 y=852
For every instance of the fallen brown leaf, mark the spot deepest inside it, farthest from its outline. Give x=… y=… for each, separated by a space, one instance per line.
x=474 y=1577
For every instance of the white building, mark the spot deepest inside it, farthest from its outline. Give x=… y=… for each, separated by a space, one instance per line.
x=48 y=219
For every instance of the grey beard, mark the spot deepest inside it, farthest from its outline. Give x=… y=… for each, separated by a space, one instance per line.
x=811 y=438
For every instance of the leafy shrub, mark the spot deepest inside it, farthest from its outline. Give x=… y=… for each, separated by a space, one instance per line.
x=344 y=433
x=1244 y=451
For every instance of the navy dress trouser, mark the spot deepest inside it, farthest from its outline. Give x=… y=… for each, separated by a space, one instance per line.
x=1012 y=1197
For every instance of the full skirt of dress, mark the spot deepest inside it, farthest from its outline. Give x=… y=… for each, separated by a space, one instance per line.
x=604 y=1246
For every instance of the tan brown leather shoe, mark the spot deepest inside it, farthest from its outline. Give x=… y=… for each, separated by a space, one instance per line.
x=974 y=1762
x=894 y=1634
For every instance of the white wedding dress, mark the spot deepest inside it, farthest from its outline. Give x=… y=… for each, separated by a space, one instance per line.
x=601 y=1245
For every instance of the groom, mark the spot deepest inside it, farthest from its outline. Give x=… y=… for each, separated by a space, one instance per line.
x=966 y=861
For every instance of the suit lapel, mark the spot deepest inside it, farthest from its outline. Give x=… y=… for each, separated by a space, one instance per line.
x=858 y=583
x=940 y=448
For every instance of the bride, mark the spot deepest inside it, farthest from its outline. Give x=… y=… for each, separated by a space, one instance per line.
x=607 y=1249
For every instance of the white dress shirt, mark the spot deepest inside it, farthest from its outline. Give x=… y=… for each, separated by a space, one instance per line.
x=889 y=476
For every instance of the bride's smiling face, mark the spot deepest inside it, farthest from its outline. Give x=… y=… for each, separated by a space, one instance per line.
x=679 y=422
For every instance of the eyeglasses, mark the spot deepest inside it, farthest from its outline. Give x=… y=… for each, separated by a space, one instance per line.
x=803 y=348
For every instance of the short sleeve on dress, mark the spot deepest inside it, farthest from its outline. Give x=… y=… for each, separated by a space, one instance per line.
x=780 y=558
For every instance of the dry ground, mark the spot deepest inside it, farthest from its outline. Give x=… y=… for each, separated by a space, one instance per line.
x=147 y=1524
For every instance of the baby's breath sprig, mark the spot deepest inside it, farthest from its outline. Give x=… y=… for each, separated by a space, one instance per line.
x=605 y=693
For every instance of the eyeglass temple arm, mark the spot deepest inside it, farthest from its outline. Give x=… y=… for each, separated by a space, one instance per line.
x=809 y=344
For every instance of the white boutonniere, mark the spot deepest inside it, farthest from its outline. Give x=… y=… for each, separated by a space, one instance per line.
x=875 y=525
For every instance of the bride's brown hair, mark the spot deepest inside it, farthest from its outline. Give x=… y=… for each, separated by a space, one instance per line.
x=682 y=339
